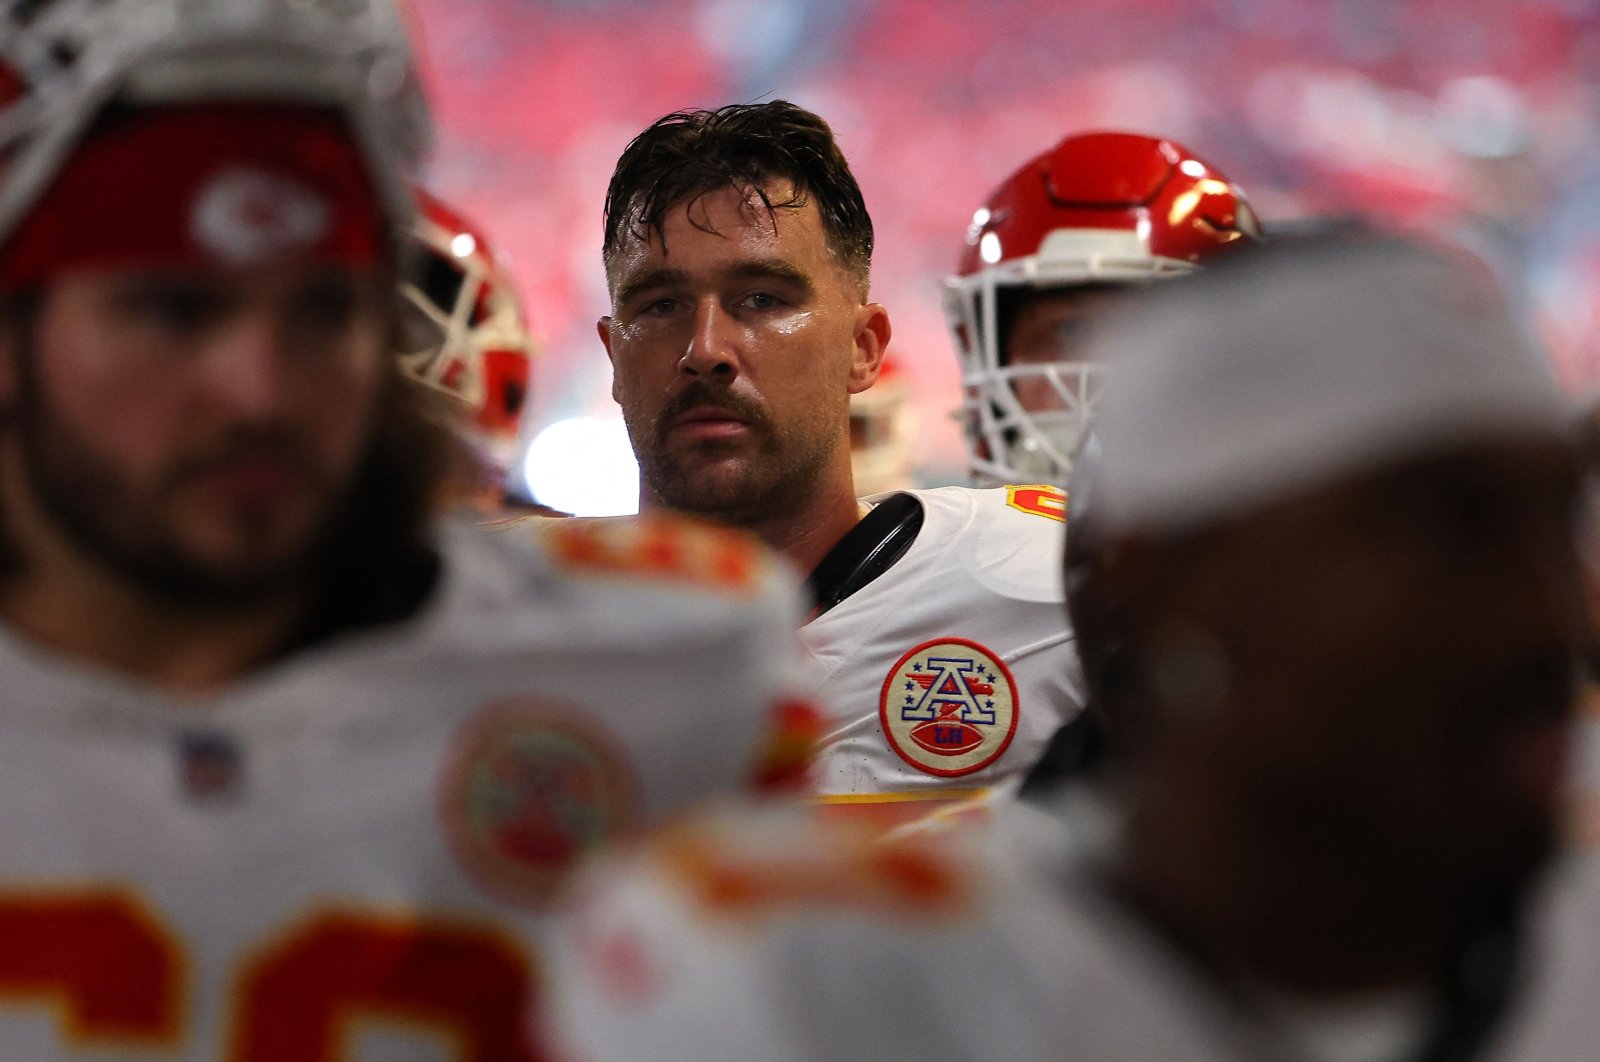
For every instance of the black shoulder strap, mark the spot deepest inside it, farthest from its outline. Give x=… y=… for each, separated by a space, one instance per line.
x=865 y=552
x=1077 y=748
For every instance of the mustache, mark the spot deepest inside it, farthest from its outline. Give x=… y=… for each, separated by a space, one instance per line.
x=698 y=395
x=272 y=445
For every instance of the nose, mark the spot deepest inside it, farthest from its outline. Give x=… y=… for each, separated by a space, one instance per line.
x=713 y=350
x=244 y=369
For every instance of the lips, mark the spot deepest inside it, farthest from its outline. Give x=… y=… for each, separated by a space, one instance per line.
x=1535 y=759
x=709 y=422
x=1520 y=715
x=252 y=484
x=706 y=414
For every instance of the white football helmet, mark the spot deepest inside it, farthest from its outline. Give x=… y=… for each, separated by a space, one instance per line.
x=63 y=61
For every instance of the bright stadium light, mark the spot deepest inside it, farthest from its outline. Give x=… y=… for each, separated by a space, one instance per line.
x=583 y=466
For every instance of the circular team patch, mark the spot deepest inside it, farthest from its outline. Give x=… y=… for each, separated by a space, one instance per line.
x=528 y=791
x=949 y=707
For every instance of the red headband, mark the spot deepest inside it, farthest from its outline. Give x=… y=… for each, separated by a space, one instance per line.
x=203 y=186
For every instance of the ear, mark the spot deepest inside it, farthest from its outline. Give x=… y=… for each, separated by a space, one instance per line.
x=603 y=326
x=871 y=340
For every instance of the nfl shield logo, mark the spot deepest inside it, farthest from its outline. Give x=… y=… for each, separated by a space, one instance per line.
x=208 y=765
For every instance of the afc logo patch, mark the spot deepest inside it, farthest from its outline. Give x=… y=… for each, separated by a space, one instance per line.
x=531 y=787
x=949 y=707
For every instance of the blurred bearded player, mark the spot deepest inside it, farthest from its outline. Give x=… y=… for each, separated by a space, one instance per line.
x=1060 y=242
x=737 y=249
x=1323 y=574
x=289 y=768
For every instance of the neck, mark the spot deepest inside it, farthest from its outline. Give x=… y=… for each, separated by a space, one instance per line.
x=1291 y=914
x=89 y=615
x=803 y=537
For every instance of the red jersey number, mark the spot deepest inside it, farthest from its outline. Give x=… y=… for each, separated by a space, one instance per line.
x=1040 y=499
x=118 y=978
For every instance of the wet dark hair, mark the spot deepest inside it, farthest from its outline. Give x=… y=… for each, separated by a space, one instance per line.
x=746 y=146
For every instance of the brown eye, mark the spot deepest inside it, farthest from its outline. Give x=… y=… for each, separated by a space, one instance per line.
x=175 y=309
x=326 y=304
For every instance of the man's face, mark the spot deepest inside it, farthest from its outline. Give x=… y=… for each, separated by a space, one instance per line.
x=1047 y=329
x=1400 y=655
x=735 y=347
x=195 y=433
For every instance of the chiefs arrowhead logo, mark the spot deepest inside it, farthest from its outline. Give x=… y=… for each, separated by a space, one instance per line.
x=531 y=787
x=949 y=707
x=250 y=217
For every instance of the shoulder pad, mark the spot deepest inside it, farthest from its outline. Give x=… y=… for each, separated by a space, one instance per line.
x=791 y=859
x=1014 y=542
x=657 y=548
x=1038 y=499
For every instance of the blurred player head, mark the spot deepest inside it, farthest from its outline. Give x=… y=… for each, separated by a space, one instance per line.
x=464 y=333
x=198 y=208
x=1321 y=566
x=738 y=248
x=1056 y=245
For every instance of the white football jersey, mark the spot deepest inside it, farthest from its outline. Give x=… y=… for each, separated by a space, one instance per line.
x=1583 y=774
x=349 y=856
x=784 y=938
x=789 y=938
x=949 y=672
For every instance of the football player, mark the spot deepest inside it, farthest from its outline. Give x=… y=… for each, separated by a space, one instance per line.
x=289 y=767
x=464 y=333
x=883 y=432
x=1323 y=572
x=738 y=251
x=1060 y=242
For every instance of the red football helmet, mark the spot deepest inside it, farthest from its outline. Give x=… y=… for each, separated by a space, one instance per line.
x=463 y=328
x=1097 y=209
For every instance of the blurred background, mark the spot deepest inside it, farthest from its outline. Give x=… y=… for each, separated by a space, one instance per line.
x=1476 y=119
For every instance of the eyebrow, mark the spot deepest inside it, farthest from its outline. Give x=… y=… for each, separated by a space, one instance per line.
x=655 y=278
x=760 y=268
x=745 y=269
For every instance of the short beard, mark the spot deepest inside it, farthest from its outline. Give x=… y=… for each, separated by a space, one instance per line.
x=373 y=563
x=93 y=507
x=779 y=481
